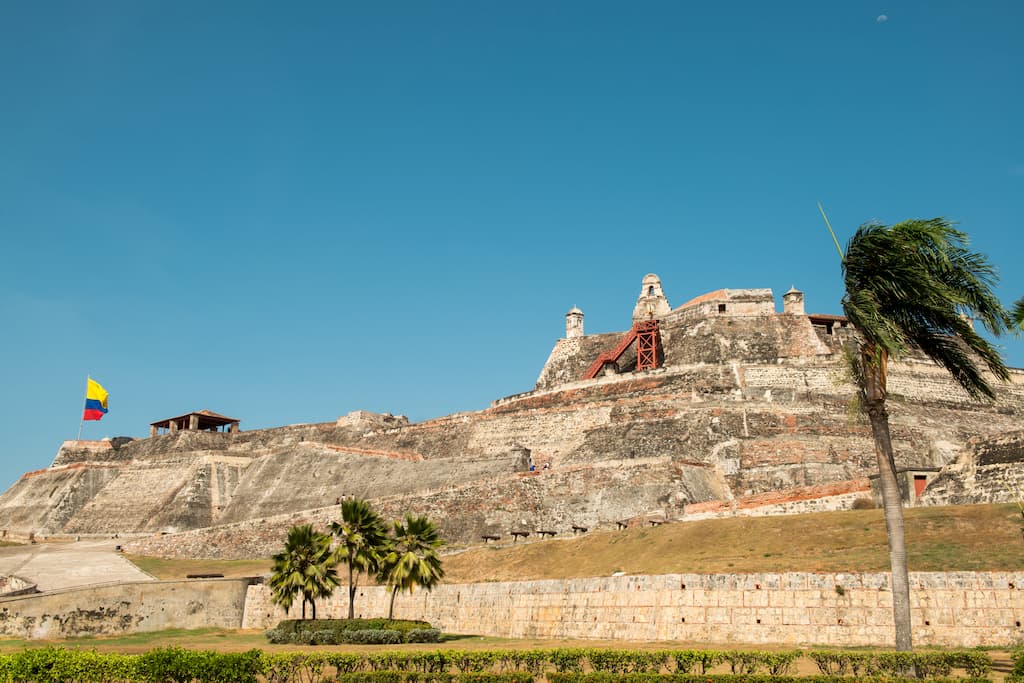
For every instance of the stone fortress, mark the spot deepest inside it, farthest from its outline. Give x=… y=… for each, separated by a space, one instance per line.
x=721 y=406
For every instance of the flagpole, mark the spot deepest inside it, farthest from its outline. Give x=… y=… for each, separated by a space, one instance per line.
x=82 y=423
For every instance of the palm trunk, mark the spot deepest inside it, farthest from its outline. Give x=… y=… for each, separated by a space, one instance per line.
x=312 y=604
x=391 y=607
x=351 y=591
x=874 y=394
x=303 y=609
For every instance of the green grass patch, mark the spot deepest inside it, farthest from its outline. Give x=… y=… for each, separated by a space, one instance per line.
x=170 y=569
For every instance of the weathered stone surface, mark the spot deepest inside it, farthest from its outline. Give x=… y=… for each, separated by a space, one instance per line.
x=962 y=609
x=125 y=608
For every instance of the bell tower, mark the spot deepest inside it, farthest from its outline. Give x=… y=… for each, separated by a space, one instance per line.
x=651 y=304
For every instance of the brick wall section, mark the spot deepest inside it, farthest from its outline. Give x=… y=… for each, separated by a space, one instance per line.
x=960 y=609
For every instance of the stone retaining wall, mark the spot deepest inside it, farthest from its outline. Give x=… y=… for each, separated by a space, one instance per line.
x=957 y=609
x=125 y=608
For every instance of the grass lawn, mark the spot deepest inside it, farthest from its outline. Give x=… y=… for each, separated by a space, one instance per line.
x=178 y=569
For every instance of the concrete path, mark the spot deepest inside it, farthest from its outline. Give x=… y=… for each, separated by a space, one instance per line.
x=64 y=565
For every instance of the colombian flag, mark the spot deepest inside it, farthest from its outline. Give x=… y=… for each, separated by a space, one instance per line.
x=95 y=401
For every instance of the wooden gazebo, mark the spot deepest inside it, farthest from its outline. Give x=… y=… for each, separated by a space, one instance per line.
x=200 y=420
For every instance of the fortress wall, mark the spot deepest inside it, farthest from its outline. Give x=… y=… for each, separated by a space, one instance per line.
x=316 y=477
x=961 y=609
x=554 y=499
x=570 y=358
x=138 y=498
x=125 y=608
x=44 y=502
x=922 y=382
x=993 y=469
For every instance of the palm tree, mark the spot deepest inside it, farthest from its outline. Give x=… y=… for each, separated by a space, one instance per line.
x=1017 y=314
x=361 y=535
x=306 y=566
x=916 y=286
x=412 y=558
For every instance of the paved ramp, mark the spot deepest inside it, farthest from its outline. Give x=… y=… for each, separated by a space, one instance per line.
x=65 y=565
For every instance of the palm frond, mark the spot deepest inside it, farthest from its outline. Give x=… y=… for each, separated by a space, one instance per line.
x=1017 y=314
x=916 y=284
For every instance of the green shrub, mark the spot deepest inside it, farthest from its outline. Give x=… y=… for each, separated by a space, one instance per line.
x=577 y=677
x=345 y=662
x=369 y=636
x=423 y=635
x=165 y=665
x=975 y=662
x=334 y=631
x=401 y=625
x=289 y=667
x=1017 y=673
x=418 y=677
x=276 y=636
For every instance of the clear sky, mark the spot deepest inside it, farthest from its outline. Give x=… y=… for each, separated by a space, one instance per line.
x=286 y=211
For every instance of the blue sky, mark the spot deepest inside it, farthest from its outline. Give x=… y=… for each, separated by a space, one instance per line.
x=284 y=213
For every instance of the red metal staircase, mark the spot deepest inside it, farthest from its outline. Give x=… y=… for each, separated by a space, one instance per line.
x=647 y=336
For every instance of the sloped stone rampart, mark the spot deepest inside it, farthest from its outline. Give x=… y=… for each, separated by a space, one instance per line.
x=555 y=499
x=962 y=609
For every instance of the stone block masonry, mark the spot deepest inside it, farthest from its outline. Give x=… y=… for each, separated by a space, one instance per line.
x=957 y=609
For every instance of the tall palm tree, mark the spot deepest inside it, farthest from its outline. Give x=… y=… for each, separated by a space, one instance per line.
x=306 y=566
x=361 y=536
x=1017 y=313
x=412 y=558
x=916 y=286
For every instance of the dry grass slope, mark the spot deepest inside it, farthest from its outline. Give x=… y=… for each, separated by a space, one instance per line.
x=954 y=538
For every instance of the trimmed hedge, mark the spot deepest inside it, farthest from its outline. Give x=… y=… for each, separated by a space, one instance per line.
x=354 y=631
x=401 y=625
x=736 y=678
x=166 y=665
x=560 y=665
x=918 y=664
x=418 y=677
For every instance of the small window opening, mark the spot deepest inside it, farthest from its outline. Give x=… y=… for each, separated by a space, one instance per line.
x=650 y=291
x=721 y=308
